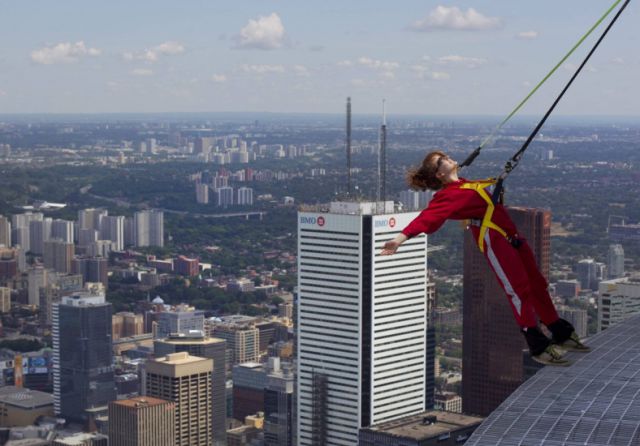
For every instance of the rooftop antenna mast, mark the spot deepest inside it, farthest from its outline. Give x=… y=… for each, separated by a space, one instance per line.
x=382 y=158
x=348 y=147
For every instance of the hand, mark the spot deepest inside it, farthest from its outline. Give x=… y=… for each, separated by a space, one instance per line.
x=390 y=248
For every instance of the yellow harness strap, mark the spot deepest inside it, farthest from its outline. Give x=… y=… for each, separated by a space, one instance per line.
x=479 y=187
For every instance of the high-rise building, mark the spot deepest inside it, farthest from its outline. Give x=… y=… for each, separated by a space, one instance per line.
x=615 y=261
x=142 y=421
x=39 y=232
x=577 y=317
x=83 y=359
x=245 y=196
x=20 y=224
x=126 y=324
x=112 y=228
x=91 y=218
x=92 y=269
x=243 y=340
x=185 y=380
x=449 y=402
x=196 y=344
x=279 y=406
x=62 y=230
x=587 y=271
x=181 y=319
x=186 y=267
x=224 y=196
x=202 y=193
x=249 y=381
x=149 y=228
x=58 y=255
x=414 y=200
x=5 y=232
x=430 y=381
x=617 y=300
x=492 y=342
x=5 y=299
x=37 y=277
x=362 y=322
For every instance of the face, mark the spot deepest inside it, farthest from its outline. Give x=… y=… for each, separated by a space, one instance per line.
x=445 y=165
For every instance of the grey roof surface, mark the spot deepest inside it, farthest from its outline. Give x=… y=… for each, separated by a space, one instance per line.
x=595 y=401
x=24 y=398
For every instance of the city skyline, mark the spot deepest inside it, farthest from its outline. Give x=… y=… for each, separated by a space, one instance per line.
x=431 y=58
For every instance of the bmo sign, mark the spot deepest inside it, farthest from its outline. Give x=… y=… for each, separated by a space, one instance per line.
x=319 y=221
x=386 y=223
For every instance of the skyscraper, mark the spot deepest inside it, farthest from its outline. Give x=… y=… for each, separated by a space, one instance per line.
x=62 y=230
x=91 y=218
x=362 y=321
x=196 y=344
x=185 y=380
x=279 y=406
x=112 y=228
x=243 y=340
x=245 y=196
x=58 y=255
x=149 y=228
x=39 y=232
x=224 y=196
x=5 y=300
x=615 y=261
x=492 y=342
x=202 y=193
x=5 y=232
x=142 y=421
x=83 y=360
x=182 y=319
x=92 y=269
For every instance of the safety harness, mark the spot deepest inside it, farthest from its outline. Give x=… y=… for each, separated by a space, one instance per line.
x=487 y=223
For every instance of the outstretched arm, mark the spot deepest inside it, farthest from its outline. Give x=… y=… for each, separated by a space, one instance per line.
x=392 y=245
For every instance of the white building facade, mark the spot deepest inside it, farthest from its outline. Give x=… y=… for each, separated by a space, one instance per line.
x=362 y=322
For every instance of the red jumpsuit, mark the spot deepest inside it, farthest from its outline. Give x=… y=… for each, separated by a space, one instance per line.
x=515 y=268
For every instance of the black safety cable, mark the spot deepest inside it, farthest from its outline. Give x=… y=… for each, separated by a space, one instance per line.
x=515 y=159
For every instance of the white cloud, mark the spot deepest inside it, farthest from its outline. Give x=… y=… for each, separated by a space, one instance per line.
x=169 y=48
x=3 y=93
x=526 y=84
x=439 y=76
x=262 y=69
x=573 y=67
x=301 y=70
x=469 y=62
x=219 y=78
x=618 y=60
x=66 y=52
x=453 y=18
x=345 y=63
x=378 y=64
x=142 y=72
x=263 y=33
x=527 y=35
x=389 y=75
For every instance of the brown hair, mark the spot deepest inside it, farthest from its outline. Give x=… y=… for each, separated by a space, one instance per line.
x=424 y=177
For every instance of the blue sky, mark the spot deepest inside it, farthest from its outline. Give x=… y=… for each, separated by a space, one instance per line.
x=424 y=57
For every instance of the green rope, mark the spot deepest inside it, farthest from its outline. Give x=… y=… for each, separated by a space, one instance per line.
x=519 y=106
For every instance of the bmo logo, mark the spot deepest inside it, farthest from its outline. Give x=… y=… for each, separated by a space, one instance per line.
x=391 y=223
x=320 y=221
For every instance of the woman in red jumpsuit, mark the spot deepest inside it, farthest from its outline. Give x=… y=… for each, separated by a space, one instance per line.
x=509 y=256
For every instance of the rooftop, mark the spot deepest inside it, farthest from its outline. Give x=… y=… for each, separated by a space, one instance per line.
x=420 y=426
x=595 y=401
x=24 y=398
x=141 y=401
x=178 y=358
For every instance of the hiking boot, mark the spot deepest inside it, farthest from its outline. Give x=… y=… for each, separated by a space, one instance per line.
x=573 y=344
x=551 y=356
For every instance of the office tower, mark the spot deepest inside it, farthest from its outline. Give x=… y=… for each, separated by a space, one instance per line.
x=362 y=321
x=126 y=324
x=196 y=344
x=243 y=340
x=8 y=263
x=185 y=380
x=285 y=309
x=279 y=406
x=224 y=196
x=202 y=193
x=186 y=267
x=58 y=255
x=245 y=196
x=39 y=232
x=249 y=381
x=129 y=231
x=20 y=237
x=587 y=272
x=142 y=421
x=142 y=147
x=220 y=181
x=149 y=228
x=37 y=278
x=151 y=145
x=615 y=261
x=568 y=288
x=62 y=230
x=203 y=145
x=577 y=317
x=181 y=319
x=52 y=293
x=87 y=236
x=99 y=248
x=430 y=381
x=112 y=228
x=617 y=300
x=83 y=360
x=492 y=343
x=5 y=300
x=92 y=269
x=5 y=232
x=91 y=218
